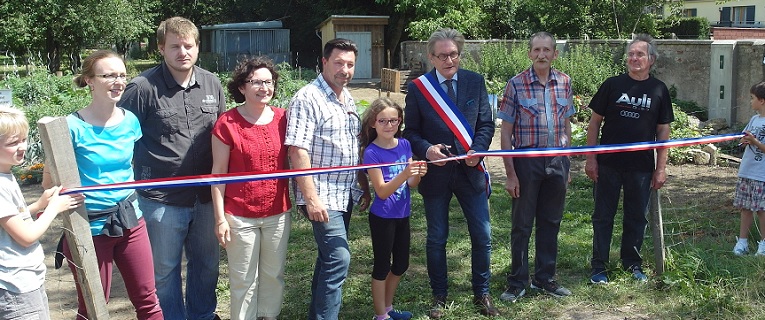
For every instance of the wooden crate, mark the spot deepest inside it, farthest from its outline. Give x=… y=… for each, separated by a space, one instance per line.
x=390 y=80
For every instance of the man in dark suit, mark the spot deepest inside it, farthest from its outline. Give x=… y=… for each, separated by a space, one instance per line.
x=463 y=93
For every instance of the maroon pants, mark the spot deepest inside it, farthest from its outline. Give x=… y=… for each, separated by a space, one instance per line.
x=132 y=254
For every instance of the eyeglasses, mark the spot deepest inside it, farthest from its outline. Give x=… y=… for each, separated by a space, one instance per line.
x=113 y=77
x=454 y=56
x=392 y=122
x=260 y=83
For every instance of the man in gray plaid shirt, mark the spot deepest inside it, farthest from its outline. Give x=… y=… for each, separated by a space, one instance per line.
x=322 y=130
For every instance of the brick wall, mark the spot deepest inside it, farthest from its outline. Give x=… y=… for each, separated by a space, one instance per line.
x=738 y=33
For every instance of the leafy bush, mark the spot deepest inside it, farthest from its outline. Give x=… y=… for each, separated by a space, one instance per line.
x=692 y=108
x=41 y=94
x=685 y=28
x=290 y=81
x=498 y=64
x=681 y=128
x=588 y=66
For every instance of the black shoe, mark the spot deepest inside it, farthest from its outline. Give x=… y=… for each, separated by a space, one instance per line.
x=437 y=308
x=485 y=307
x=550 y=287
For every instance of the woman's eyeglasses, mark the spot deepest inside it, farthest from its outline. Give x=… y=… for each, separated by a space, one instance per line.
x=260 y=83
x=113 y=77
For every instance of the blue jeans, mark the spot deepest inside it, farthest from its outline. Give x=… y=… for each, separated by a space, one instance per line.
x=475 y=208
x=542 y=183
x=637 y=191
x=332 y=261
x=173 y=231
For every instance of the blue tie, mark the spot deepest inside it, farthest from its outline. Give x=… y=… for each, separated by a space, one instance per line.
x=450 y=90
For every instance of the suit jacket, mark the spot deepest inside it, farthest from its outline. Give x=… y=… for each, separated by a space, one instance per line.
x=424 y=128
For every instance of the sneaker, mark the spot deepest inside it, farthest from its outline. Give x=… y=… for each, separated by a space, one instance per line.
x=760 y=248
x=550 y=287
x=741 y=248
x=599 y=277
x=637 y=273
x=512 y=294
x=399 y=315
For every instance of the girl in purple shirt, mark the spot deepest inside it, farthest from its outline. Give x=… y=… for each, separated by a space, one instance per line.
x=389 y=214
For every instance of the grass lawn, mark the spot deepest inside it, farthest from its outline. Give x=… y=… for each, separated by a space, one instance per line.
x=703 y=280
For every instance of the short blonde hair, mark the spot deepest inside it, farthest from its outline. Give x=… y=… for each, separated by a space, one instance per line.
x=13 y=122
x=180 y=26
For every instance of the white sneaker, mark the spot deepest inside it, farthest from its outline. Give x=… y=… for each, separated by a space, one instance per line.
x=760 y=248
x=742 y=247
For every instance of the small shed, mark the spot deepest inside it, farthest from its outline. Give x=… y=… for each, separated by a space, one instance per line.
x=227 y=43
x=368 y=32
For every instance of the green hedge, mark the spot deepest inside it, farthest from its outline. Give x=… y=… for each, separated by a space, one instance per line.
x=685 y=28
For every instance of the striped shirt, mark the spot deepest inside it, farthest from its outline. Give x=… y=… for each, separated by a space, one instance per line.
x=538 y=112
x=328 y=129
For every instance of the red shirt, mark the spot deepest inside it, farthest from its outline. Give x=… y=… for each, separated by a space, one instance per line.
x=255 y=148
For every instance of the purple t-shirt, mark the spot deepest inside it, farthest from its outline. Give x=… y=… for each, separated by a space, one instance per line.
x=398 y=205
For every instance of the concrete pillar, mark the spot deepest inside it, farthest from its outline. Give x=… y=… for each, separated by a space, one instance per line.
x=721 y=86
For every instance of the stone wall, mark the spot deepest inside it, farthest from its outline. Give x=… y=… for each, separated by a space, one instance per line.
x=684 y=64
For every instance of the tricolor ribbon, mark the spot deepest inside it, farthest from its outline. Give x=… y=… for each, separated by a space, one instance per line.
x=211 y=179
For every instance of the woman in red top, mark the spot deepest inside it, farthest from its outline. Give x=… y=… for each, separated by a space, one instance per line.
x=251 y=218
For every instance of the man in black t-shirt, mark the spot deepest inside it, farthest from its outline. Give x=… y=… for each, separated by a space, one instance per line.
x=636 y=107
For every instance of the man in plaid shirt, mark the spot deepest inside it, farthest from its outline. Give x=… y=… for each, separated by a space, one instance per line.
x=535 y=111
x=322 y=131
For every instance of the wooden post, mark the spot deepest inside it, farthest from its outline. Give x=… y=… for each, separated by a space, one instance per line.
x=59 y=157
x=657 y=229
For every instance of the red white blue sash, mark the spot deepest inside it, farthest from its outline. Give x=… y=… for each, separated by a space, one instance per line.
x=450 y=114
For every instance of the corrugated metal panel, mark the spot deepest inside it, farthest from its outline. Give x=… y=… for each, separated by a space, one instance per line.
x=232 y=45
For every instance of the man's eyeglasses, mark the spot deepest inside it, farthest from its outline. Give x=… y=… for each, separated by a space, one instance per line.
x=260 y=83
x=454 y=56
x=113 y=77
x=392 y=122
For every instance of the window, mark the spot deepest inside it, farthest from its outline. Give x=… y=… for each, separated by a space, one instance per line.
x=689 y=12
x=738 y=15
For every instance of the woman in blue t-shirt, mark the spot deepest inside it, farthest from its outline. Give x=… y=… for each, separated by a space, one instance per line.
x=389 y=214
x=103 y=137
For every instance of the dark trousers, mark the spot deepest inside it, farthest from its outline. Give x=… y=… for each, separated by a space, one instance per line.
x=475 y=209
x=637 y=191
x=543 y=182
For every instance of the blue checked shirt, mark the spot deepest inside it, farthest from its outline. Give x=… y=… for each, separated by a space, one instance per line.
x=538 y=112
x=328 y=129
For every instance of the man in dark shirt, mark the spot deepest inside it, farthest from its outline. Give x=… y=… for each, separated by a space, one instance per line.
x=628 y=108
x=177 y=104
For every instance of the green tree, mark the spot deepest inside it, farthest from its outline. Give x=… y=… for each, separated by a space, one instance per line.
x=518 y=19
x=65 y=27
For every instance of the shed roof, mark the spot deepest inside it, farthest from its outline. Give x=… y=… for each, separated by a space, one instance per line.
x=275 y=24
x=352 y=19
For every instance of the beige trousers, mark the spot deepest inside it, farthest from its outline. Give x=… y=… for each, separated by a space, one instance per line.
x=256 y=257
